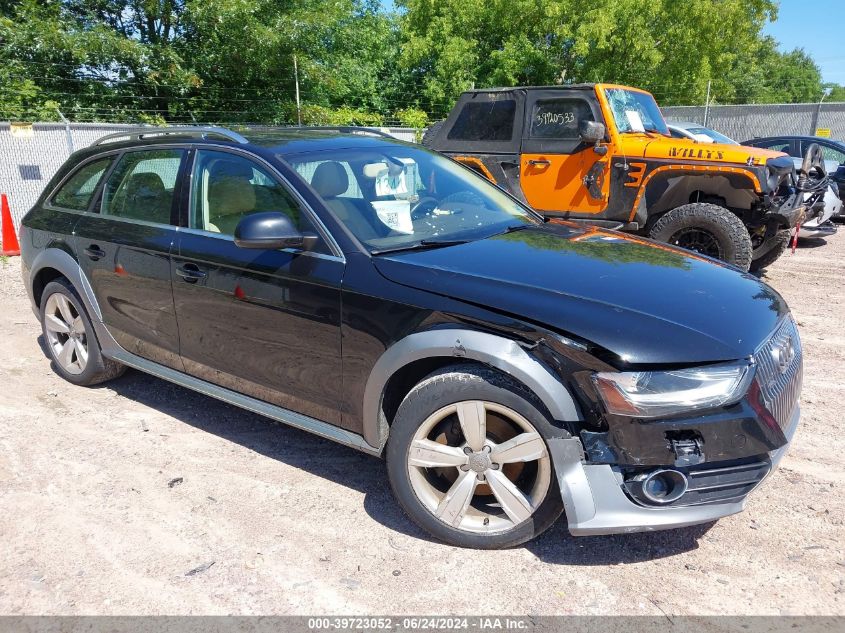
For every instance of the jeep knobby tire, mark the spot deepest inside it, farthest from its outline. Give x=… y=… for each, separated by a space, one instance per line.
x=769 y=251
x=430 y=133
x=708 y=229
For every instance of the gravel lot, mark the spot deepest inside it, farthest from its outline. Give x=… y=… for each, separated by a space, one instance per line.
x=139 y=497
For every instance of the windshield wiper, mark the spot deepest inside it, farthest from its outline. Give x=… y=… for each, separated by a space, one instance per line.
x=418 y=246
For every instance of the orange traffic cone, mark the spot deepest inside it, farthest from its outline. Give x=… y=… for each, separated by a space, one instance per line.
x=9 y=244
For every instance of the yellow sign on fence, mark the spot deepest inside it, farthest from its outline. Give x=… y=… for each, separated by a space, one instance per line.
x=824 y=132
x=22 y=130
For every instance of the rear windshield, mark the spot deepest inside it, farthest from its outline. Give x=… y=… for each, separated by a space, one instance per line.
x=484 y=121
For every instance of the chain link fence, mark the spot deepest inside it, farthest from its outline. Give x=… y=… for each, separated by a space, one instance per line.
x=30 y=154
x=744 y=122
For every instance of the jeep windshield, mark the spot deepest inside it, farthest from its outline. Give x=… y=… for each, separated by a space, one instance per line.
x=635 y=112
x=396 y=197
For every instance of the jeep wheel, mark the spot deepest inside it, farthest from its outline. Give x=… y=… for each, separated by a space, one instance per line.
x=430 y=133
x=70 y=337
x=468 y=461
x=768 y=252
x=707 y=229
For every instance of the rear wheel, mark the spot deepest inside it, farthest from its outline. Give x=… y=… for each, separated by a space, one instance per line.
x=707 y=229
x=468 y=461
x=769 y=251
x=70 y=338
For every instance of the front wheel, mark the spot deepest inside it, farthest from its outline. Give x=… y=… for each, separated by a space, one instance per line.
x=707 y=229
x=468 y=461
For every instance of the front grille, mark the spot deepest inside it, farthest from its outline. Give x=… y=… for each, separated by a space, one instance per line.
x=779 y=371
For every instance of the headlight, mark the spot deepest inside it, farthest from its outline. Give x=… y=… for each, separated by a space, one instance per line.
x=650 y=394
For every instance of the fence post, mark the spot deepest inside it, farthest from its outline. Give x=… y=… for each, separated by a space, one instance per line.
x=67 y=132
x=707 y=104
x=814 y=122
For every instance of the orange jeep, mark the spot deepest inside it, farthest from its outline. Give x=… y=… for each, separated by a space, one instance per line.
x=601 y=153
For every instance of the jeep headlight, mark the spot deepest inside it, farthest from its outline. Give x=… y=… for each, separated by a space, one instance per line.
x=650 y=394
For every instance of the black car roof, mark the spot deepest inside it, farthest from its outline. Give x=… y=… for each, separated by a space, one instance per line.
x=278 y=140
x=554 y=87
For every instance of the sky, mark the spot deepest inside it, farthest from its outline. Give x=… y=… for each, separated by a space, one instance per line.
x=817 y=27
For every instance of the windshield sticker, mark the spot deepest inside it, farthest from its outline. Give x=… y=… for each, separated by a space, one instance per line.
x=396 y=185
x=635 y=120
x=395 y=214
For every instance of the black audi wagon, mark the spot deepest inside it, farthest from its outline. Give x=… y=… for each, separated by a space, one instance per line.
x=385 y=297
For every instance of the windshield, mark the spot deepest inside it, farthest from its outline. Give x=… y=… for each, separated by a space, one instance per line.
x=394 y=196
x=713 y=134
x=635 y=111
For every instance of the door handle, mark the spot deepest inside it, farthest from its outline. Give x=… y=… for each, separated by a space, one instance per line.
x=190 y=273
x=95 y=252
x=542 y=162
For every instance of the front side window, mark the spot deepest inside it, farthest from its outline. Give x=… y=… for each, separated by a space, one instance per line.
x=635 y=111
x=227 y=187
x=559 y=118
x=142 y=186
x=408 y=196
x=78 y=190
x=489 y=120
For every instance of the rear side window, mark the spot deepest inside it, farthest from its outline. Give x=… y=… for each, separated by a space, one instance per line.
x=77 y=191
x=559 y=118
x=142 y=185
x=485 y=121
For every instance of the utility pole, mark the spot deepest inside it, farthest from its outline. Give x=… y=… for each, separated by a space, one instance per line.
x=814 y=124
x=707 y=104
x=296 y=79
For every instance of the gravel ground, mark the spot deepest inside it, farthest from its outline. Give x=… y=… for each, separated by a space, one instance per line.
x=139 y=497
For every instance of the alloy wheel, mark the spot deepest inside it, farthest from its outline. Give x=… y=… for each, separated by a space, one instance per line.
x=698 y=240
x=479 y=466
x=66 y=334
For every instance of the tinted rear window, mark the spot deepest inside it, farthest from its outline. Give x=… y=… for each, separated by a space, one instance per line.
x=485 y=121
x=77 y=191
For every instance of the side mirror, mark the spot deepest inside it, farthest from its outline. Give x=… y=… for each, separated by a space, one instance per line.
x=591 y=131
x=270 y=230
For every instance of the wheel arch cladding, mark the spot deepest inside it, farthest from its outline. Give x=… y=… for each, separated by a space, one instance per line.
x=60 y=263
x=438 y=348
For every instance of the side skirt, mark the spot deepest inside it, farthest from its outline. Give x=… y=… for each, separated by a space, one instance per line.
x=291 y=418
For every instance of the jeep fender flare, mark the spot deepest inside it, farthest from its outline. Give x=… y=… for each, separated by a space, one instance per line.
x=460 y=344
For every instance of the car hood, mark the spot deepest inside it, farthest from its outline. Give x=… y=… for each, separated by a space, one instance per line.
x=646 y=302
x=688 y=149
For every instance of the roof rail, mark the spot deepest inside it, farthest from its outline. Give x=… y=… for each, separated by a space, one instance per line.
x=176 y=130
x=349 y=129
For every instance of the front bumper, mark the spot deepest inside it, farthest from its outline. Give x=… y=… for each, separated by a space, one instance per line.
x=596 y=503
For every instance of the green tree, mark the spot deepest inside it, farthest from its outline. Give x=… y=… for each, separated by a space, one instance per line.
x=669 y=47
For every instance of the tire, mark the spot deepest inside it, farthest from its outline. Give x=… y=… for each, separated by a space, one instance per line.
x=768 y=252
x=708 y=229
x=432 y=131
x=429 y=413
x=67 y=328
